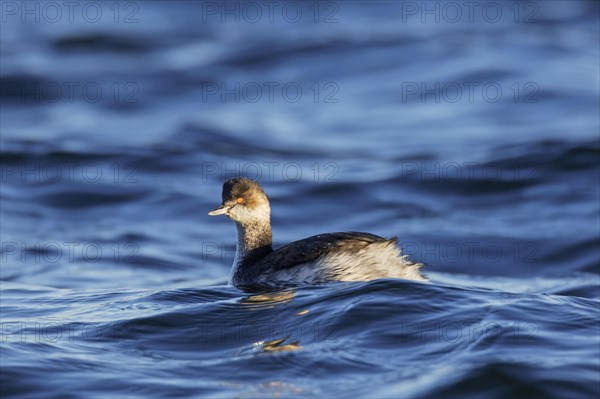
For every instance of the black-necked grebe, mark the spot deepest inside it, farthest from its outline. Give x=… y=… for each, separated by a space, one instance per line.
x=349 y=256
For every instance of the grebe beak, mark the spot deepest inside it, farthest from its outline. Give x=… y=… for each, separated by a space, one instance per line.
x=223 y=209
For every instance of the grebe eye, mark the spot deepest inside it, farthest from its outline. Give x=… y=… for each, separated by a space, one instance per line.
x=240 y=200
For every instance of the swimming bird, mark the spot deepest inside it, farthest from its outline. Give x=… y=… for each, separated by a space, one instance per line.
x=344 y=256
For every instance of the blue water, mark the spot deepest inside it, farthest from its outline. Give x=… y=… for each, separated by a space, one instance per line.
x=472 y=136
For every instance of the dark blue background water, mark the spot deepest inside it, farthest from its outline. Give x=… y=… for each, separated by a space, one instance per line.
x=471 y=134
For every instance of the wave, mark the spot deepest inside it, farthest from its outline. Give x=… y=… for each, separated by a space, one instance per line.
x=522 y=343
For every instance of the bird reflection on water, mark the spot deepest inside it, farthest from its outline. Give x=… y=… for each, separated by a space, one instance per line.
x=271 y=300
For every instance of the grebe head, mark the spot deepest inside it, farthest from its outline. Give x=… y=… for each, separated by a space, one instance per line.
x=244 y=202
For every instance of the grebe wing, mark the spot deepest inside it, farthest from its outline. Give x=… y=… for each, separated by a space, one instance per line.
x=311 y=248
